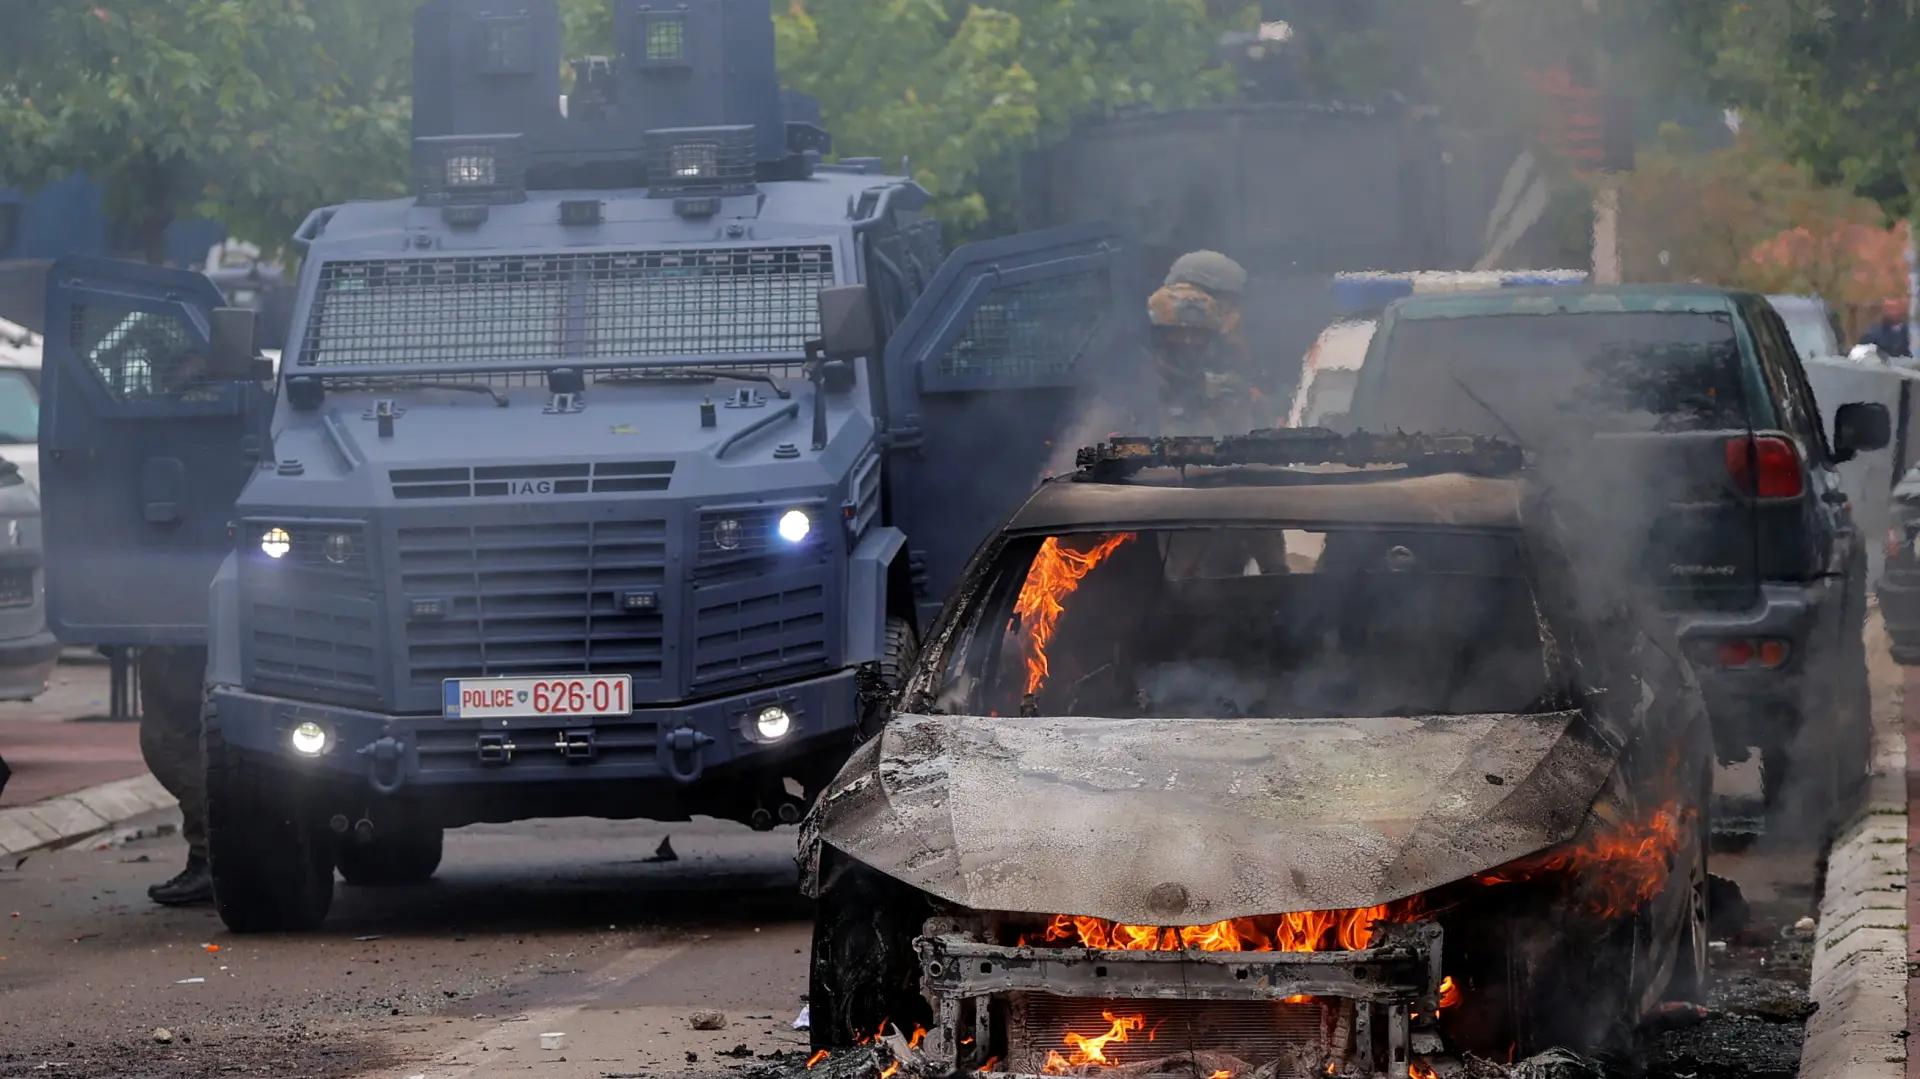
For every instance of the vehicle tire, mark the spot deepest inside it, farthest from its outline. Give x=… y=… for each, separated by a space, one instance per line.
x=899 y=653
x=272 y=860
x=407 y=856
x=1691 y=969
x=864 y=971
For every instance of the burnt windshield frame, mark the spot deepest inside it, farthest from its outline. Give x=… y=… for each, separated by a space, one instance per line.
x=958 y=664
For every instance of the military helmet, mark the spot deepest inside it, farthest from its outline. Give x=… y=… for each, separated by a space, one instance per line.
x=1192 y=308
x=1209 y=270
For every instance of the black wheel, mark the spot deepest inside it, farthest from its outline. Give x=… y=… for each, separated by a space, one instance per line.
x=901 y=651
x=407 y=856
x=1690 y=963
x=864 y=971
x=272 y=860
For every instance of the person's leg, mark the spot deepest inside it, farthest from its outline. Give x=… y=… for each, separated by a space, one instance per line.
x=170 y=703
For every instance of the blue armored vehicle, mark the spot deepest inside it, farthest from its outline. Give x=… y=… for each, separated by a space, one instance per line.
x=615 y=473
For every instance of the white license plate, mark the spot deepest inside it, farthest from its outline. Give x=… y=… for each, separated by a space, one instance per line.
x=510 y=698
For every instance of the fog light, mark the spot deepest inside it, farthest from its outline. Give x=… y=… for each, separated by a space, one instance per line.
x=773 y=724
x=726 y=534
x=794 y=526
x=310 y=739
x=338 y=548
x=276 y=543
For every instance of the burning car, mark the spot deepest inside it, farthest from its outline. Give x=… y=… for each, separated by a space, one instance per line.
x=1221 y=765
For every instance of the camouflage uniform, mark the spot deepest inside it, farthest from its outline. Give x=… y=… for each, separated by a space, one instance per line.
x=1206 y=388
x=170 y=705
x=1202 y=356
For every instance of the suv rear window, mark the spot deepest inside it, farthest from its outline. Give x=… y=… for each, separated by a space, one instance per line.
x=1629 y=371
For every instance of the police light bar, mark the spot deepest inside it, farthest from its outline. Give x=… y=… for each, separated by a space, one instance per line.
x=1374 y=290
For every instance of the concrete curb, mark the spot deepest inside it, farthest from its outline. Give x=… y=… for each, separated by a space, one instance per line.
x=1859 y=959
x=81 y=814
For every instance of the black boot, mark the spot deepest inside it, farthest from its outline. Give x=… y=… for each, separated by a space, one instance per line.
x=193 y=885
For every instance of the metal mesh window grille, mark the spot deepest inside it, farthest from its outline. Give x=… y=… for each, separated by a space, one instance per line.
x=138 y=355
x=666 y=40
x=1032 y=329
x=751 y=301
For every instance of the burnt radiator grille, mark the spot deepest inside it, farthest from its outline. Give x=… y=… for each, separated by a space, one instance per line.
x=745 y=301
x=1257 y=1032
x=533 y=599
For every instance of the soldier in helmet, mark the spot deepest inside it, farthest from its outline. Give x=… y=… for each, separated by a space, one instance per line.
x=1205 y=388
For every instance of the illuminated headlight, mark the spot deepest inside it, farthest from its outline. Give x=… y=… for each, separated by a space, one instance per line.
x=773 y=724
x=794 y=526
x=694 y=160
x=309 y=739
x=470 y=170
x=338 y=548
x=276 y=542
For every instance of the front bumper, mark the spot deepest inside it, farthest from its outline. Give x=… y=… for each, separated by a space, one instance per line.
x=1373 y=1011
x=676 y=747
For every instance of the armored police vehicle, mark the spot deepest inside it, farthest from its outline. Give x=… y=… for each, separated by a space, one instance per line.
x=615 y=473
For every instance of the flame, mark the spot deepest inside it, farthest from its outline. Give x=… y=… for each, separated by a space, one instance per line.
x=1302 y=931
x=891 y=1068
x=1055 y=574
x=816 y=1058
x=1221 y=1074
x=1449 y=993
x=919 y=1032
x=1418 y=1070
x=1092 y=1050
x=1618 y=870
x=988 y=1066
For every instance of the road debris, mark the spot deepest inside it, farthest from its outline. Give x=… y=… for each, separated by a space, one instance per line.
x=804 y=1020
x=662 y=853
x=708 y=1019
x=190 y=981
x=553 y=1040
x=163 y=1036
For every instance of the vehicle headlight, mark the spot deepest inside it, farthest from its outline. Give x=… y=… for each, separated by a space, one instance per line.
x=773 y=724
x=276 y=542
x=794 y=526
x=726 y=534
x=338 y=548
x=309 y=739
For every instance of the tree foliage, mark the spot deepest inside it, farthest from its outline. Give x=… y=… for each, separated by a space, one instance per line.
x=961 y=88
x=250 y=112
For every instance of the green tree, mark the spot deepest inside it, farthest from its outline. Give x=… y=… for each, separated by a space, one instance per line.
x=251 y=113
x=960 y=89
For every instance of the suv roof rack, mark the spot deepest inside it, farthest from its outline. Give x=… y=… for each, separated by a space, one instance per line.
x=1121 y=458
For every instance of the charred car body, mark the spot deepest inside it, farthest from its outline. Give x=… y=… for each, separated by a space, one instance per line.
x=1277 y=771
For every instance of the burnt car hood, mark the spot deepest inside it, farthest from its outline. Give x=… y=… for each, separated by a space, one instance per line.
x=1188 y=822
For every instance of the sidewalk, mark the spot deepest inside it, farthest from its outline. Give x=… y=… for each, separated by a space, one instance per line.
x=50 y=753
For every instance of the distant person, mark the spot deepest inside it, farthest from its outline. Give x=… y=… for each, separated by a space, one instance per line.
x=1889 y=335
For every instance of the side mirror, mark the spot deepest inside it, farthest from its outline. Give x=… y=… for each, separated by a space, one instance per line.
x=232 y=354
x=1861 y=428
x=846 y=322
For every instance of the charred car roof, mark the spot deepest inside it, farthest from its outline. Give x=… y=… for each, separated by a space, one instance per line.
x=1386 y=480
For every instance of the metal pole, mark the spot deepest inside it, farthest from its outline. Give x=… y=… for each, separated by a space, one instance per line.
x=1606 y=231
x=1913 y=291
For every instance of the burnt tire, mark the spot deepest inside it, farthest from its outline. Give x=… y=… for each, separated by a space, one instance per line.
x=391 y=860
x=863 y=971
x=272 y=861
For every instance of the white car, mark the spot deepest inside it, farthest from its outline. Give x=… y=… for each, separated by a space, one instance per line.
x=20 y=400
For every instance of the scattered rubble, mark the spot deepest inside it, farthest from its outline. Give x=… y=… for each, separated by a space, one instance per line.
x=163 y=1036
x=708 y=1019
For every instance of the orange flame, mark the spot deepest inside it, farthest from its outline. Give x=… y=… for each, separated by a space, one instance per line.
x=891 y=1068
x=1449 y=993
x=1618 y=870
x=1417 y=1070
x=816 y=1058
x=1302 y=931
x=1092 y=1050
x=919 y=1032
x=1055 y=574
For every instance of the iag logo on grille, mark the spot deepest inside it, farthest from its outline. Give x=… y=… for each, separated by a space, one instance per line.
x=533 y=487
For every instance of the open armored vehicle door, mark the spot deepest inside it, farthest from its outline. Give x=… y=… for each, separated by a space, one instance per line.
x=150 y=425
x=1016 y=345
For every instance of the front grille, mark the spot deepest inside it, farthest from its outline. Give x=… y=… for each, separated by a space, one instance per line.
x=16 y=588
x=759 y=628
x=742 y=301
x=533 y=599
x=506 y=481
x=310 y=617
x=1258 y=1032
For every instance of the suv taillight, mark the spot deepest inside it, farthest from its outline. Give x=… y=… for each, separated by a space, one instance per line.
x=1766 y=466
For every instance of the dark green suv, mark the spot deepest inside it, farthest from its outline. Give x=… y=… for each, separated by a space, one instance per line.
x=1684 y=416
